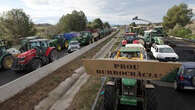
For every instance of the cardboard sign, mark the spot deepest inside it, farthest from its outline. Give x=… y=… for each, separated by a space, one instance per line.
x=152 y=70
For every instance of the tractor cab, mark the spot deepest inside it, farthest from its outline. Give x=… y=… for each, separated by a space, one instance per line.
x=37 y=43
x=132 y=52
x=160 y=31
x=3 y=46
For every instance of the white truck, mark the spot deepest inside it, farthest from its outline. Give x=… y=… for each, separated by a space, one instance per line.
x=164 y=53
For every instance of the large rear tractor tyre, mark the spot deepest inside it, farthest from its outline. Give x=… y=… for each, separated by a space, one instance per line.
x=151 y=100
x=8 y=62
x=53 y=55
x=109 y=98
x=35 y=64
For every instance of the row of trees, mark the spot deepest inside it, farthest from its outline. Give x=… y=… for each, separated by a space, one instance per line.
x=16 y=23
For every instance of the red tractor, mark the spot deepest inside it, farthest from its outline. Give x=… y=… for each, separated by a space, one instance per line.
x=128 y=38
x=35 y=53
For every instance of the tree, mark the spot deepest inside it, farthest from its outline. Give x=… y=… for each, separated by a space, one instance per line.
x=98 y=23
x=107 y=25
x=180 y=31
x=180 y=15
x=76 y=21
x=15 y=24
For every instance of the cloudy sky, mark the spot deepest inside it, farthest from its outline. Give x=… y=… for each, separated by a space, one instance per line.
x=113 y=11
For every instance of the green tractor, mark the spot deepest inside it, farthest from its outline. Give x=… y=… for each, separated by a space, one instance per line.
x=85 y=38
x=160 y=31
x=60 y=42
x=152 y=37
x=6 y=59
x=126 y=93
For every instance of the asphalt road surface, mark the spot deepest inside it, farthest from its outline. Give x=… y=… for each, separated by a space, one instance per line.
x=7 y=76
x=168 y=98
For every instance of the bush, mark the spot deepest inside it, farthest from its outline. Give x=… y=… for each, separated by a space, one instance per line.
x=180 y=31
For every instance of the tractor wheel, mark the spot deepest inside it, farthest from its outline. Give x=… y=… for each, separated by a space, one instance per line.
x=35 y=64
x=109 y=98
x=8 y=62
x=59 y=48
x=53 y=55
x=150 y=100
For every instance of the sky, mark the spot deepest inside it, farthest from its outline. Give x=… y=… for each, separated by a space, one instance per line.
x=113 y=11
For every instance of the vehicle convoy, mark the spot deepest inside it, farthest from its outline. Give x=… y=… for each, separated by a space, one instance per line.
x=6 y=58
x=103 y=32
x=128 y=38
x=59 y=41
x=36 y=53
x=127 y=93
x=185 y=78
x=74 y=45
x=164 y=53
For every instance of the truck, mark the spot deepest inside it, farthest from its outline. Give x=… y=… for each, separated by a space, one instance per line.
x=35 y=54
x=6 y=58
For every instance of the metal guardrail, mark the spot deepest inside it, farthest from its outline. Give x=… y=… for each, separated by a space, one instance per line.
x=189 y=40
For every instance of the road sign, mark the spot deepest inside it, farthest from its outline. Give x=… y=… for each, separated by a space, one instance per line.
x=146 y=69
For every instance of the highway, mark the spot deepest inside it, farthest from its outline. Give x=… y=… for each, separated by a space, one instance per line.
x=167 y=97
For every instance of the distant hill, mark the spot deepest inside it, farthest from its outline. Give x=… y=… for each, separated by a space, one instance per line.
x=43 y=25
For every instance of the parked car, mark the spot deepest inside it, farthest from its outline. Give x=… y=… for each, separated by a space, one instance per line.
x=73 y=46
x=185 y=78
x=164 y=53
